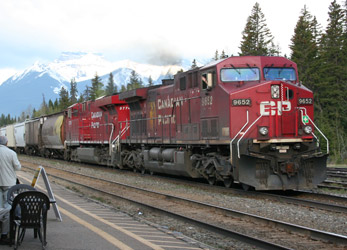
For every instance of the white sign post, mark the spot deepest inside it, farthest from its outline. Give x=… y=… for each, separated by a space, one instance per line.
x=49 y=189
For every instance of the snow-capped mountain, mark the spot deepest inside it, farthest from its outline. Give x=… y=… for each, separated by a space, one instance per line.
x=28 y=87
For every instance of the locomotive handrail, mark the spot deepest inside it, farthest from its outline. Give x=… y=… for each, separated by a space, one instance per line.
x=301 y=110
x=238 y=142
x=110 y=140
x=231 y=142
x=121 y=133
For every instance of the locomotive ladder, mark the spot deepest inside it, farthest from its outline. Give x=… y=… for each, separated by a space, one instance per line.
x=116 y=141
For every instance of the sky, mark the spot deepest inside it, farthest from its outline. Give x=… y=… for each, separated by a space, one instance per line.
x=150 y=31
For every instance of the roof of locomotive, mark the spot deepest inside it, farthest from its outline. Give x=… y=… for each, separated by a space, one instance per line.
x=260 y=61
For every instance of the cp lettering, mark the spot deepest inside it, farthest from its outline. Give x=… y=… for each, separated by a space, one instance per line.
x=270 y=107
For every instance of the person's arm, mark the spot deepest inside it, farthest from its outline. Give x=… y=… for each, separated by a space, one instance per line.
x=16 y=163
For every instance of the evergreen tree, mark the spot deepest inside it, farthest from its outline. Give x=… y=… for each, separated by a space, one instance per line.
x=110 y=88
x=97 y=88
x=63 y=99
x=150 y=81
x=44 y=108
x=332 y=87
x=216 y=56
x=33 y=113
x=134 y=82
x=304 y=48
x=223 y=55
x=194 y=66
x=257 y=39
x=123 y=88
x=73 y=91
x=50 y=106
x=56 y=104
x=81 y=99
x=86 y=94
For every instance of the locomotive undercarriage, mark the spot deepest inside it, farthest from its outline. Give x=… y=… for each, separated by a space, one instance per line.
x=56 y=153
x=281 y=166
x=181 y=160
x=97 y=154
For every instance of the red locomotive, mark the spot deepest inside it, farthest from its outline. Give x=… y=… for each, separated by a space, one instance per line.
x=242 y=119
x=93 y=127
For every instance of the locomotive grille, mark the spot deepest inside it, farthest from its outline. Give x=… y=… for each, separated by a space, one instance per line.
x=214 y=129
x=204 y=128
x=209 y=128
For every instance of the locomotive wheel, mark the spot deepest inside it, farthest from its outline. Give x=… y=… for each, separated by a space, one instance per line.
x=211 y=180
x=247 y=187
x=228 y=182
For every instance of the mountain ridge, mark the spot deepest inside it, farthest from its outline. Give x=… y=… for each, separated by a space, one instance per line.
x=27 y=88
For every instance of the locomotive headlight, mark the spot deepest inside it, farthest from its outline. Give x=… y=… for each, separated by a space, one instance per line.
x=263 y=130
x=275 y=91
x=308 y=129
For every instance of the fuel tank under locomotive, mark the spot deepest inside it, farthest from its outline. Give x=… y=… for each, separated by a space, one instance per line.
x=169 y=161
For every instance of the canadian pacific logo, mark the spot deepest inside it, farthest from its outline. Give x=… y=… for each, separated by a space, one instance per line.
x=269 y=107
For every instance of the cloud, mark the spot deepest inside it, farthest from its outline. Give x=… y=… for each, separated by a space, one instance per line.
x=152 y=30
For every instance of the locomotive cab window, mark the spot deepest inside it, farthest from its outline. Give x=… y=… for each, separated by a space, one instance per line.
x=286 y=74
x=239 y=74
x=183 y=84
x=208 y=80
x=75 y=112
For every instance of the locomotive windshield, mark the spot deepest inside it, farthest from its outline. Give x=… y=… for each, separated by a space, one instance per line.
x=240 y=74
x=279 y=74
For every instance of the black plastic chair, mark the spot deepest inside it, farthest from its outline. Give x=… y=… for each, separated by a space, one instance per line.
x=33 y=207
x=17 y=189
x=13 y=192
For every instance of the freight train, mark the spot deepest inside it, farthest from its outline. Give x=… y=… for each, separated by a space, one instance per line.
x=244 y=120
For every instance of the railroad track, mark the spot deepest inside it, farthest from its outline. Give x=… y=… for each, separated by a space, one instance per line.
x=251 y=229
x=302 y=198
x=337 y=179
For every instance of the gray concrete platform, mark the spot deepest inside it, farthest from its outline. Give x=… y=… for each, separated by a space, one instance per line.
x=90 y=225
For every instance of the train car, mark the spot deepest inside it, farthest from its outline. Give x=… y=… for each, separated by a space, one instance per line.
x=242 y=119
x=33 y=136
x=10 y=137
x=52 y=135
x=93 y=129
x=3 y=131
x=19 y=134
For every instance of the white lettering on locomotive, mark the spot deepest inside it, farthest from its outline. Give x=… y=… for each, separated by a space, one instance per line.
x=207 y=101
x=169 y=102
x=267 y=106
x=95 y=124
x=166 y=120
x=96 y=114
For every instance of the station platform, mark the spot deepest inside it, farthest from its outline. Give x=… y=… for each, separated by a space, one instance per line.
x=90 y=225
